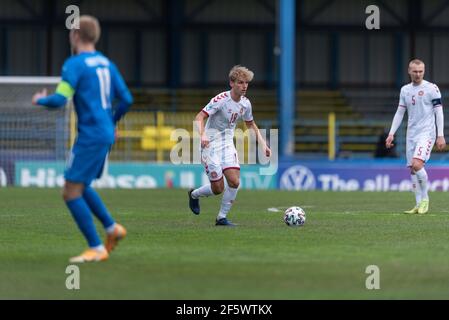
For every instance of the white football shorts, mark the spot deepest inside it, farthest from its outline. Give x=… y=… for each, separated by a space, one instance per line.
x=216 y=160
x=419 y=148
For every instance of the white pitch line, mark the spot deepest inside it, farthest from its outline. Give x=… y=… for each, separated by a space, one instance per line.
x=378 y=213
x=279 y=209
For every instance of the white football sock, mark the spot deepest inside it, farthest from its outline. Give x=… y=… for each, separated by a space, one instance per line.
x=204 y=191
x=99 y=248
x=422 y=182
x=110 y=229
x=226 y=203
x=416 y=189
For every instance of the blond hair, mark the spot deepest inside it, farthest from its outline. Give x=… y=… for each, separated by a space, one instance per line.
x=89 y=31
x=416 y=61
x=240 y=72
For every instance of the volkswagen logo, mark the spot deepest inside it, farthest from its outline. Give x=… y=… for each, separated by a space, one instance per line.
x=298 y=178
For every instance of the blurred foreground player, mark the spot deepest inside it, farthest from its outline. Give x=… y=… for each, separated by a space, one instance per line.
x=93 y=82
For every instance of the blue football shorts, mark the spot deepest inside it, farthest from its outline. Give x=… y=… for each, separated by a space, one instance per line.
x=86 y=163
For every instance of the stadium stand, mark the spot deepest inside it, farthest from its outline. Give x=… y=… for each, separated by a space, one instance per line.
x=362 y=117
x=356 y=134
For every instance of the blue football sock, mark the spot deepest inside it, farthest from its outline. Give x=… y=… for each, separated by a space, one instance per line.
x=94 y=202
x=81 y=213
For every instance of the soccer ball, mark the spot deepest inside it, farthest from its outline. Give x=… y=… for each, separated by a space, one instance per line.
x=295 y=217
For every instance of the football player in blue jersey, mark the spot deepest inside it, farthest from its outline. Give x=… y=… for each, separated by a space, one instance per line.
x=94 y=83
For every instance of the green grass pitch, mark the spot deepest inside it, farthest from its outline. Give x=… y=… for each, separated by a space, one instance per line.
x=172 y=254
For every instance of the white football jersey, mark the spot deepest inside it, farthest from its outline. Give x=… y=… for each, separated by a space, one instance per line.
x=223 y=115
x=420 y=102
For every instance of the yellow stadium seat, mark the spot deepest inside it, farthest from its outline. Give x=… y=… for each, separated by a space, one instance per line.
x=149 y=136
x=164 y=138
x=157 y=137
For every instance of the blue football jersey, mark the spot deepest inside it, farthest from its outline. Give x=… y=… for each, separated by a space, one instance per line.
x=97 y=83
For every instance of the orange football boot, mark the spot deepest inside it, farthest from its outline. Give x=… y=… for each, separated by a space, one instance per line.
x=90 y=255
x=114 y=237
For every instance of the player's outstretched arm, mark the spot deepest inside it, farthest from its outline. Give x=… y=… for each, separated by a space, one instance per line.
x=52 y=101
x=38 y=95
x=64 y=91
x=252 y=126
x=399 y=115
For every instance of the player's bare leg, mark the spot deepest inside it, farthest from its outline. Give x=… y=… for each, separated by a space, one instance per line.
x=72 y=190
x=233 y=180
x=217 y=186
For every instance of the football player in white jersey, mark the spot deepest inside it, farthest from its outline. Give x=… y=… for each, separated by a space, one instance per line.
x=422 y=101
x=218 y=153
